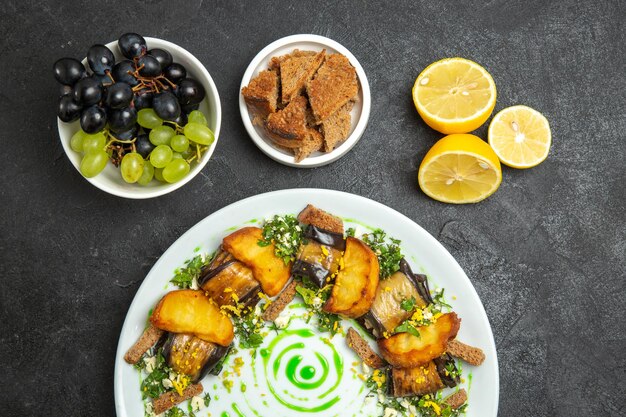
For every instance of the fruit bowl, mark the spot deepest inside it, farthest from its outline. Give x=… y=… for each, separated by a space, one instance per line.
x=109 y=179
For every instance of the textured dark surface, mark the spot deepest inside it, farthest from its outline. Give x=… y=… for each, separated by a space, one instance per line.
x=546 y=253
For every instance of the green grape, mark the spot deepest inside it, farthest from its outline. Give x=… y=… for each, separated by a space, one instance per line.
x=175 y=170
x=76 y=143
x=93 y=163
x=161 y=135
x=179 y=143
x=177 y=155
x=189 y=152
x=196 y=116
x=160 y=156
x=94 y=143
x=131 y=167
x=147 y=174
x=199 y=133
x=158 y=174
x=148 y=118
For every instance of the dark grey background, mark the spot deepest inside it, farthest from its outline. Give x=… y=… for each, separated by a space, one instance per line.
x=546 y=253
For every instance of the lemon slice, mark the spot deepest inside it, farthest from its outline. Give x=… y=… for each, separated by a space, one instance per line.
x=454 y=95
x=520 y=136
x=460 y=168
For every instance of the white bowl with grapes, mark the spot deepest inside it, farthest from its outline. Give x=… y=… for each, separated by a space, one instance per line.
x=138 y=117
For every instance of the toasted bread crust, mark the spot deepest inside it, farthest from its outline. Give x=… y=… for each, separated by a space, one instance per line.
x=295 y=72
x=337 y=127
x=319 y=218
x=334 y=85
x=170 y=399
x=287 y=127
x=457 y=399
x=278 y=305
x=312 y=143
x=275 y=61
x=147 y=339
x=363 y=349
x=470 y=354
x=261 y=94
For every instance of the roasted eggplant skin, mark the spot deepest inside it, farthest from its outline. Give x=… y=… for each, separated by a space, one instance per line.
x=404 y=350
x=443 y=362
x=418 y=380
x=229 y=282
x=386 y=312
x=192 y=356
x=318 y=258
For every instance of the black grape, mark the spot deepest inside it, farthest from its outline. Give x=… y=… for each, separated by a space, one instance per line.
x=120 y=72
x=87 y=91
x=166 y=105
x=104 y=79
x=68 y=110
x=164 y=57
x=143 y=100
x=121 y=120
x=190 y=91
x=119 y=95
x=148 y=66
x=181 y=120
x=93 y=119
x=132 y=45
x=190 y=107
x=68 y=70
x=100 y=59
x=127 y=134
x=175 y=73
x=143 y=145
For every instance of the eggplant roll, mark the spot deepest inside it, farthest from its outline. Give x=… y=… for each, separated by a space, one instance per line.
x=424 y=379
x=228 y=281
x=386 y=312
x=192 y=356
x=318 y=259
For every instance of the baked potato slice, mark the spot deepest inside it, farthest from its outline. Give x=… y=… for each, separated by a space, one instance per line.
x=190 y=311
x=404 y=350
x=271 y=271
x=355 y=286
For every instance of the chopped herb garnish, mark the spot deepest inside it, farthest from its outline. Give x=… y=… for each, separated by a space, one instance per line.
x=175 y=412
x=407 y=327
x=408 y=304
x=152 y=385
x=350 y=232
x=388 y=252
x=185 y=276
x=248 y=329
x=314 y=298
x=286 y=234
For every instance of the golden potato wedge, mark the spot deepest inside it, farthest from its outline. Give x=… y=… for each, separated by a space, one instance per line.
x=356 y=282
x=190 y=311
x=271 y=271
x=403 y=350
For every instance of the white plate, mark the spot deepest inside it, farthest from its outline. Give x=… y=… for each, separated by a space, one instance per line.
x=424 y=253
x=109 y=179
x=360 y=112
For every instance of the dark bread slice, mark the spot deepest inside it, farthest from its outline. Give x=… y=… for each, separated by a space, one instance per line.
x=363 y=349
x=171 y=398
x=457 y=399
x=312 y=143
x=337 y=127
x=147 y=339
x=275 y=61
x=287 y=127
x=334 y=85
x=261 y=94
x=319 y=218
x=277 y=305
x=470 y=354
x=295 y=72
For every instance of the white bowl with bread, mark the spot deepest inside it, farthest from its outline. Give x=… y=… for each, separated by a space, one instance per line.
x=305 y=100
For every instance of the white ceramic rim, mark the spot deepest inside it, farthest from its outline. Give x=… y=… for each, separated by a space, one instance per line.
x=318 y=160
x=161 y=189
x=345 y=201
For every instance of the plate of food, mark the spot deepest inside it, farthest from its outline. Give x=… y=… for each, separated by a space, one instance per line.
x=306 y=302
x=305 y=100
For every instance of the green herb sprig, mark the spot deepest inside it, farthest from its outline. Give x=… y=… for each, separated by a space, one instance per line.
x=286 y=234
x=387 y=250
